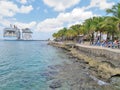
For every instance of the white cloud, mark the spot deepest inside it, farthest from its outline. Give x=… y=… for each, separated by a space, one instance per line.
x=61 y=5
x=23 y=1
x=77 y=14
x=25 y=9
x=53 y=24
x=102 y=4
x=49 y=25
x=5 y=22
x=9 y=9
x=25 y=25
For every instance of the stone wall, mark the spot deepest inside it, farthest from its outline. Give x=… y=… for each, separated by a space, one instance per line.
x=112 y=54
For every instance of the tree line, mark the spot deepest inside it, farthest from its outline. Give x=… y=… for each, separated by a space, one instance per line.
x=109 y=25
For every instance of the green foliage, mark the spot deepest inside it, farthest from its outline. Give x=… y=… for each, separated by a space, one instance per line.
x=108 y=24
x=115 y=10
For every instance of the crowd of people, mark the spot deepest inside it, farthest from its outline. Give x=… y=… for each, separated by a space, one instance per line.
x=104 y=42
x=107 y=43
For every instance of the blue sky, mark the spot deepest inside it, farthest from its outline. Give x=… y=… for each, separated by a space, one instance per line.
x=45 y=17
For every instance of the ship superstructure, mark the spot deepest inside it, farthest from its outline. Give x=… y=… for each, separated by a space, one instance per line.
x=26 y=34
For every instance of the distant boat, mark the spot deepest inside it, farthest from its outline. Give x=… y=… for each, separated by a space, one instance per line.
x=13 y=33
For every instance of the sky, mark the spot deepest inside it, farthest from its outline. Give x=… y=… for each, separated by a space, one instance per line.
x=44 y=17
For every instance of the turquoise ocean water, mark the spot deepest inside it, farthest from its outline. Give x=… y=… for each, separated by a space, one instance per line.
x=22 y=62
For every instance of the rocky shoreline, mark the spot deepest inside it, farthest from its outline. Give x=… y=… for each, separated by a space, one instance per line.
x=86 y=72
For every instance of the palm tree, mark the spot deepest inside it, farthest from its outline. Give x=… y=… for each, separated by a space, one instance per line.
x=61 y=33
x=82 y=30
x=109 y=26
x=76 y=28
x=71 y=34
x=115 y=10
x=91 y=26
x=55 y=35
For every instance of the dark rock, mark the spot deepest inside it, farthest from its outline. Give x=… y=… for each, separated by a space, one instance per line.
x=69 y=53
x=53 y=72
x=45 y=74
x=115 y=80
x=55 y=84
x=55 y=67
x=49 y=75
x=82 y=61
x=58 y=66
x=72 y=57
x=25 y=81
x=50 y=78
x=52 y=67
x=117 y=75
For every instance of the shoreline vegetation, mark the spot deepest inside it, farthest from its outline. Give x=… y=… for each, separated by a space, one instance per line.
x=98 y=66
x=98 y=30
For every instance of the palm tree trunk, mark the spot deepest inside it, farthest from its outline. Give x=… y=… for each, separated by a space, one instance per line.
x=113 y=36
x=100 y=35
x=119 y=29
x=92 y=41
x=107 y=35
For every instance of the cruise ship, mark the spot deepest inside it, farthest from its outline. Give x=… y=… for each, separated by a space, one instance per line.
x=14 y=33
